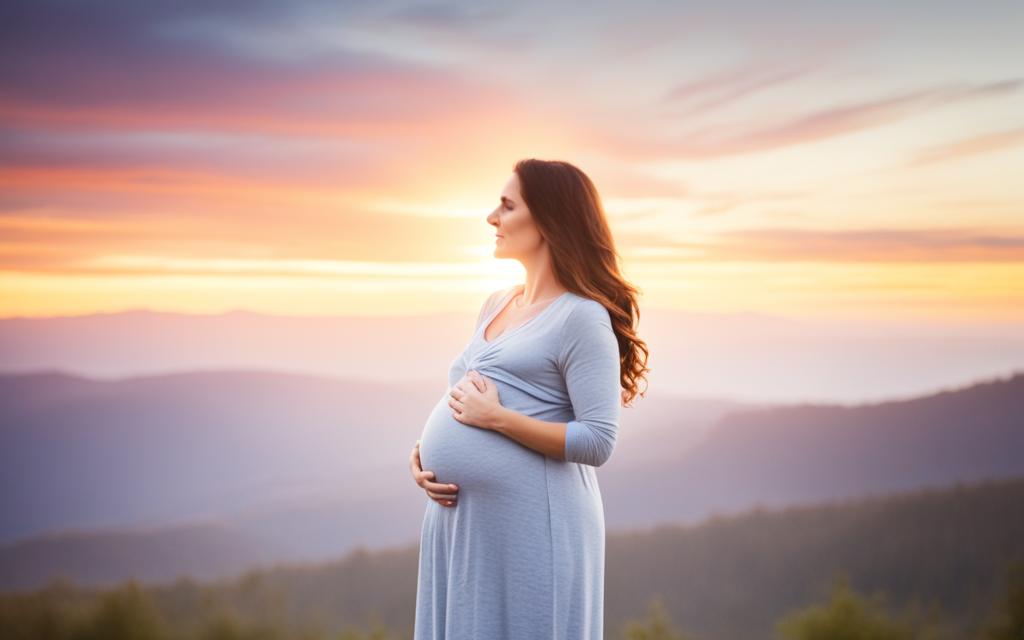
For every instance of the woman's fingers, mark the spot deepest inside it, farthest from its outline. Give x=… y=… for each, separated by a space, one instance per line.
x=478 y=381
x=473 y=377
x=439 y=487
x=414 y=462
x=442 y=497
x=425 y=480
x=445 y=494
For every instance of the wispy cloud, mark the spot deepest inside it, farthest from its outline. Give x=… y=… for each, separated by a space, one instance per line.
x=815 y=126
x=725 y=87
x=837 y=246
x=970 y=146
x=187 y=137
x=212 y=234
x=844 y=119
x=447 y=16
x=161 y=65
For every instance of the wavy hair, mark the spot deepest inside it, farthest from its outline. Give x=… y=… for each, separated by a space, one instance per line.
x=569 y=214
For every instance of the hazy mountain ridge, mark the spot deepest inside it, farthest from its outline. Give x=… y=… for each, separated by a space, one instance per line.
x=291 y=462
x=788 y=455
x=739 y=356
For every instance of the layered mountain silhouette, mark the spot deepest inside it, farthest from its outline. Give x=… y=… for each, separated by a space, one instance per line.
x=207 y=473
x=737 y=356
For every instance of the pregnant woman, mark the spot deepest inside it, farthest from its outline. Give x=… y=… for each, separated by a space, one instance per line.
x=513 y=540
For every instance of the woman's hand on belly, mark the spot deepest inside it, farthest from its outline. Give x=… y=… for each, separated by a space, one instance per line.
x=445 y=494
x=474 y=400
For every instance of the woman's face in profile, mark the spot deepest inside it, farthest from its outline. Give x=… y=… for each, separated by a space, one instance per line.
x=516 y=233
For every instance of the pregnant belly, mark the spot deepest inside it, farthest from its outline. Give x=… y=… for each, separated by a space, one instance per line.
x=476 y=459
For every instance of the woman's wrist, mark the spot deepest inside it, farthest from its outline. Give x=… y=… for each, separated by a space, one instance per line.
x=499 y=419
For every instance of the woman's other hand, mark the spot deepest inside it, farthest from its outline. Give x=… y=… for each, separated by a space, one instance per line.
x=444 y=494
x=474 y=400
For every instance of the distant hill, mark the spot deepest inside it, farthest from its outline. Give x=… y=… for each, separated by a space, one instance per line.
x=790 y=455
x=143 y=452
x=302 y=468
x=104 y=558
x=751 y=357
x=942 y=551
x=731 y=576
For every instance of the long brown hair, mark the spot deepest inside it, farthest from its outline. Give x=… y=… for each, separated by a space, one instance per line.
x=568 y=213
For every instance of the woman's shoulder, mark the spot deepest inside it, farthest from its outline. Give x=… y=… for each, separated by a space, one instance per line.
x=498 y=294
x=586 y=333
x=585 y=311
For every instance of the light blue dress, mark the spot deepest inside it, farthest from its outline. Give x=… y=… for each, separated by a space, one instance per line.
x=521 y=554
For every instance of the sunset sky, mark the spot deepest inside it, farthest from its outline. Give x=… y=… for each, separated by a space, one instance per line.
x=857 y=160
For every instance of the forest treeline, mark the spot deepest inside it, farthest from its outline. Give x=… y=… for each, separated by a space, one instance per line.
x=931 y=565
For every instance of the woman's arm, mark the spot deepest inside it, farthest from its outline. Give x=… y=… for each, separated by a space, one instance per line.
x=589 y=361
x=541 y=436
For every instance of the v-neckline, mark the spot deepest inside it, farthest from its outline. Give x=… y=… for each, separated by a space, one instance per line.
x=501 y=306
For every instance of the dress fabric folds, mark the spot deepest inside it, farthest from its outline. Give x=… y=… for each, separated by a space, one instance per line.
x=521 y=554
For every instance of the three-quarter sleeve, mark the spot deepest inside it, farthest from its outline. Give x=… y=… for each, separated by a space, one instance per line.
x=589 y=362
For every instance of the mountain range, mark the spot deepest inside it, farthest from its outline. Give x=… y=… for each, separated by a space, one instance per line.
x=207 y=473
